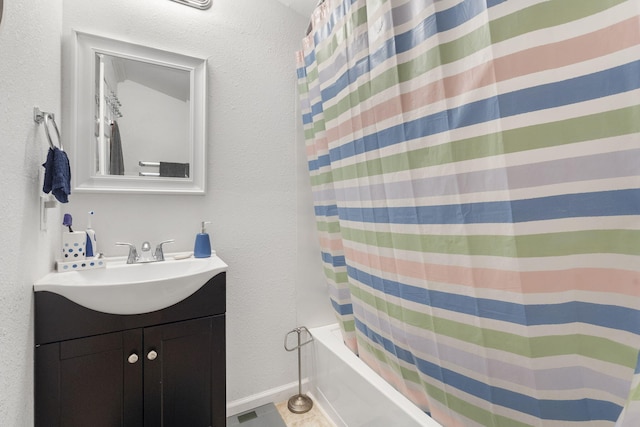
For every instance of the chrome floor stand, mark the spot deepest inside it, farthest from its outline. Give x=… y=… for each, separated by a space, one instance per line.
x=300 y=403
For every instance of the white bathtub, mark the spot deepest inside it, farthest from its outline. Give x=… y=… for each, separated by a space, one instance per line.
x=351 y=393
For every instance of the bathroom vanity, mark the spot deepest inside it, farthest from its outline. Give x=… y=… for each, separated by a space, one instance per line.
x=161 y=368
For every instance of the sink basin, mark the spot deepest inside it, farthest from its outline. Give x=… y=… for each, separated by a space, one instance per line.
x=122 y=288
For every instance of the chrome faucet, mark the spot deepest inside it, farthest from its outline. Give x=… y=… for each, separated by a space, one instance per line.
x=135 y=258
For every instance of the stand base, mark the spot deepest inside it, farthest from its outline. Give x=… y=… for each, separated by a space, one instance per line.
x=299 y=404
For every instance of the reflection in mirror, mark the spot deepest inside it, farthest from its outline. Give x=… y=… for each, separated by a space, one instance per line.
x=138 y=122
x=142 y=117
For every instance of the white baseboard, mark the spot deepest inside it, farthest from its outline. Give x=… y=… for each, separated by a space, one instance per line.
x=275 y=395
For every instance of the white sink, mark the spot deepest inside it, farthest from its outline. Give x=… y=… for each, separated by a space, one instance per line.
x=122 y=288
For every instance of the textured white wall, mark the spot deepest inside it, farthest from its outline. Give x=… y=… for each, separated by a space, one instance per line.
x=303 y=7
x=257 y=184
x=258 y=192
x=29 y=76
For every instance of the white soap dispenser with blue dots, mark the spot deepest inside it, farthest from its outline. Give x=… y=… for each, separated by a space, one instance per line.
x=73 y=242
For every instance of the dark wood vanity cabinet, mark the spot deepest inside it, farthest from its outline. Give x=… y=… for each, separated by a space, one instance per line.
x=165 y=368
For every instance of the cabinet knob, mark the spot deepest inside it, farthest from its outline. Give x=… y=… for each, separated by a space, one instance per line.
x=152 y=355
x=133 y=358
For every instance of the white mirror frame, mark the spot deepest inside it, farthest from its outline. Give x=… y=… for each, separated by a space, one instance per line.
x=82 y=123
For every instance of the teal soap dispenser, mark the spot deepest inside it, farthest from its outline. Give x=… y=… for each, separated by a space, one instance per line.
x=202 y=247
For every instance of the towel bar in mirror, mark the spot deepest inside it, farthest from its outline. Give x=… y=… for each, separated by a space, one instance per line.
x=131 y=103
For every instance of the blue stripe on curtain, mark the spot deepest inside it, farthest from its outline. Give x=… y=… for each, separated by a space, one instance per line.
x=491 y=3
x=607 y=316
x=342 y=309
x=327 y=210
x=603 y=203
x=336 y=261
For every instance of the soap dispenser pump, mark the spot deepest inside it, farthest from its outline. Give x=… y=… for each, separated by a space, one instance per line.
x=202 y=247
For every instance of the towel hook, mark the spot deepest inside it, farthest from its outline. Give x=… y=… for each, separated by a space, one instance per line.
x=42 y=116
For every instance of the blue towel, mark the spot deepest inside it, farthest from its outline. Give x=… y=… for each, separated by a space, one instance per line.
x=57 y=175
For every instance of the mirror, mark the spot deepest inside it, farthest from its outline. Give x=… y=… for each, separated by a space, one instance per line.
x=138 y=118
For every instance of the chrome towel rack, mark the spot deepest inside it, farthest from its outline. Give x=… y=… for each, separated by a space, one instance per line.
x=150 y=164
x=43 y=116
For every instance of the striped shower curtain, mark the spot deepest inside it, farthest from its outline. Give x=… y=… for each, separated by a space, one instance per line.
x=475 y=166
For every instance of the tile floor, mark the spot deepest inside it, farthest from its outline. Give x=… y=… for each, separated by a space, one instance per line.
x=313 y=418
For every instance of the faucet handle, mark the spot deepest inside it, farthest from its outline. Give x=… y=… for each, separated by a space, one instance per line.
x=159 y=255
x=133 y=253
x=131 y=245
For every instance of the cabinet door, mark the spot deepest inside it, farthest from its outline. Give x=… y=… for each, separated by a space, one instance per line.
x=80 y=382
x=184 y=374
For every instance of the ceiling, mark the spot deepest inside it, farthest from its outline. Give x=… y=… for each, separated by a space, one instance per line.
x=303 y=7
